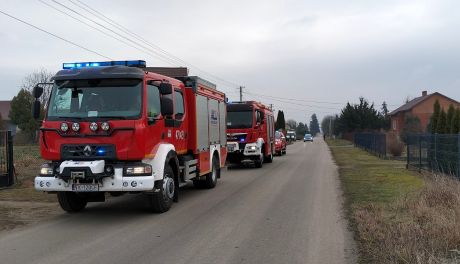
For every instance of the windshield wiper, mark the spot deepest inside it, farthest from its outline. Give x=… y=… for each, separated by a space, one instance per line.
x=68 y=117
x=113 y=117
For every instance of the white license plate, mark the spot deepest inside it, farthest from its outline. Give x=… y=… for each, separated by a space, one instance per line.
x=76 y=187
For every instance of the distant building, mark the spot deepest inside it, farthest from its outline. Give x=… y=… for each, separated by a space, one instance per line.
x=5 y=107
x=421 y=107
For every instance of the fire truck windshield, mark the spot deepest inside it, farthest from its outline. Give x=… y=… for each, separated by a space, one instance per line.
x=240 y=119
x=103 y=98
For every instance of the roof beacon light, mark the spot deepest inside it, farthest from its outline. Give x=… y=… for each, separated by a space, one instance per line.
x=131 y=63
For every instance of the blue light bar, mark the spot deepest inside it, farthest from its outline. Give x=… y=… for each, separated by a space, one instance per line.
x=132 y=63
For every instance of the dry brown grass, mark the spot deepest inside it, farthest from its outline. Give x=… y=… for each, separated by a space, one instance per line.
x=424 y=228
x=394 y=145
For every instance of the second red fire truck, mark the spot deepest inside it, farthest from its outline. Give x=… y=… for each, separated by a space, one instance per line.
x=250 y=133
x=118 y=127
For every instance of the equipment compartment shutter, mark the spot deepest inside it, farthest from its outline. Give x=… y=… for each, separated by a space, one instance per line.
x=202 y=122
x=223 y=123
x=214 y=131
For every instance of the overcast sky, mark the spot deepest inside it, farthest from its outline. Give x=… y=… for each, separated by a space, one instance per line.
x=329 y=52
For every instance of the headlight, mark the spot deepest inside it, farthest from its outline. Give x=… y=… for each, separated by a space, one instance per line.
x=46 y=170
x=105 y=126
x=138 y=170
x=253 y=147
x=64 y=127
x=75 y=127
x=93 y=126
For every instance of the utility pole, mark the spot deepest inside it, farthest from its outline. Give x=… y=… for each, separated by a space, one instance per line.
x=271 y=107
x=241 y=93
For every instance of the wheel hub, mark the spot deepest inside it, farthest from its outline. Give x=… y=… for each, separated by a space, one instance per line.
x=168 y=187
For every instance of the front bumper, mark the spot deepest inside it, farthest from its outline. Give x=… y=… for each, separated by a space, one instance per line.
x=115 y=183
x=250 y=149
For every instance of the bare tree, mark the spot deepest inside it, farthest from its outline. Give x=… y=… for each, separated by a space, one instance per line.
x=291 y=124
x=38 y=76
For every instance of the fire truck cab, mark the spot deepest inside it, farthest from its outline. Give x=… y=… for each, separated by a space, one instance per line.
x=118 y=127
x=250 y=133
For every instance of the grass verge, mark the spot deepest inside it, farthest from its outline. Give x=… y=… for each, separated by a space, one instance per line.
x=20 y=204
x=398 y=216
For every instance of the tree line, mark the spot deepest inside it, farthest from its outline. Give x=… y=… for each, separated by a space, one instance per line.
x=20 y=113
x=362 y=116
x=443 y=122
x=300 y=128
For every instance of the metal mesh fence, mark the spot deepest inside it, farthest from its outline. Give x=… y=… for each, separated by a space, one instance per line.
x=434 y=152
x=374 y=143
x=27 y=161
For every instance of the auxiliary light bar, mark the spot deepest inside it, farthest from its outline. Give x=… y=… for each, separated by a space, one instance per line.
x=131 y=63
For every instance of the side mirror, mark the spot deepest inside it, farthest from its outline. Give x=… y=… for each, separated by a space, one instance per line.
x=36 y=107
x=166 y=88
x=37 y=91
x=167 y=106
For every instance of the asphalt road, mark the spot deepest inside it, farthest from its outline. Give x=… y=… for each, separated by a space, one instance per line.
x=287 y=212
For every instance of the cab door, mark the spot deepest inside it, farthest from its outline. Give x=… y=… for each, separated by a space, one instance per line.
x=180 y=130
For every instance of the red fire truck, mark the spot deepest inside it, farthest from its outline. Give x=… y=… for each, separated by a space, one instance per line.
x=117 y=127
x=250 y=133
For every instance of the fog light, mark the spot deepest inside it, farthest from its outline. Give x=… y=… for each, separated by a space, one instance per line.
x=133 y=183
x=105 y=126
x=48 y=184
x=93 y=126
x=75 y=127
x=109 y=169
x=64 y=127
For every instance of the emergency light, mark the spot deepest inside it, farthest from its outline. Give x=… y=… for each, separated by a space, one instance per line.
x=132 y=63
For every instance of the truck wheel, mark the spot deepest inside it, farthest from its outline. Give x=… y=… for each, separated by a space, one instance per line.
x=71 y=202
x=161 y=201
x=211 y=178
x=269 y=158
x=258 y=163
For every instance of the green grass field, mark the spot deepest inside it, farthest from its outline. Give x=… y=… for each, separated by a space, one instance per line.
x=368 y=179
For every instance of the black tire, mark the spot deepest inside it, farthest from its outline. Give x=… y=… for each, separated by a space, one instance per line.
x=71 y=202
x=162 y=201
x=259 y=163
x=269 y=158
x=211 y=178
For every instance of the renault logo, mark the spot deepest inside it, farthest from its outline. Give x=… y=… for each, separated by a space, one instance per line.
x=87 y=150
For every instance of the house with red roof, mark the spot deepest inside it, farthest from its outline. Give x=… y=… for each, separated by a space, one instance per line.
x=5 y=107
x=421 y=107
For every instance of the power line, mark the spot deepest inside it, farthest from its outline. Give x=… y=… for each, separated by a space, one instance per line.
x=93 y=27
x=300 y=100
x=54 y=35
x=165 y=59
x=283 y=100
x=117 y=25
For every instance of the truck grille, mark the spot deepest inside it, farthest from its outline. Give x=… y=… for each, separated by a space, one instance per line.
x=88 y=152
x=236 y=137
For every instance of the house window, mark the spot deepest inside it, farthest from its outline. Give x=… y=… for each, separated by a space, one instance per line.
x=394 y=124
